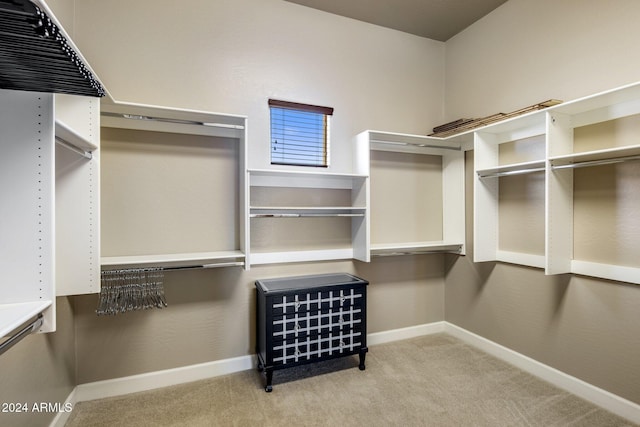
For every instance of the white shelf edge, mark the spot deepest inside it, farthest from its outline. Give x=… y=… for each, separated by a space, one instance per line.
x=417 y=141
x=606 y=271
x=172 y=113
x=520 y=258
x=314 y=173
x=14 y=315
x=172 y=260
x=407 y=248
x=258 y=258
x=604 y=154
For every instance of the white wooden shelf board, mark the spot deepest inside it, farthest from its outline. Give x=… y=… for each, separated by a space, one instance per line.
x=606 y=271
x=258 y=258
x=172 y=120
x=515 y=128
x=417 y=247
x=588 y=156
x=530 y=260
x=172 y=260
x=604 y=104
x=379 y=139
x=303 y=179
x=14 y=315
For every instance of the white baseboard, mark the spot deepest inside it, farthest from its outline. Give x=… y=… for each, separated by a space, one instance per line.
x=599 y=397
x=164 y=378
x=405 y=333
x=152 y=380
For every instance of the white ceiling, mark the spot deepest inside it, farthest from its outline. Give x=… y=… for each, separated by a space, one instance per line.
x=434 y=19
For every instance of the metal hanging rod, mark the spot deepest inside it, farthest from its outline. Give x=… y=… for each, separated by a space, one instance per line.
x=420 y=252
x=596 y=162
x=84 y=153
x=410 y=144
x=482 y=174
x=184 y=267
x=14 y=339
x=177 y=121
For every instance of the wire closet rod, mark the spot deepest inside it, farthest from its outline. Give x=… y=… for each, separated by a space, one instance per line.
x=14 y=339
x=69 y=146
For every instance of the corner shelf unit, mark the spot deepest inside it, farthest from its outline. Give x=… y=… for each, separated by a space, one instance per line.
x=442 y=230
x=200 y=189
x=554 y=127
x=305 y=216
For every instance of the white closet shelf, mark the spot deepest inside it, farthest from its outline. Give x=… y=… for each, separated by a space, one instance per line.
x=389 y=141
x=191 y=259
x=304 y=179
x=617 y=154
x=512 y=169
x=389 y=249
x=172 y=120
x=14 y=315
x=606 y=271
x=519 y=127
x=603 y=106
x=313 y=211
x=521 y=258
x=258 y=258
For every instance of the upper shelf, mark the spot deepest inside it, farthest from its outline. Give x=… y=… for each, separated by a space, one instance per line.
x=609 y=155
x=388 y=141
x=173 y=120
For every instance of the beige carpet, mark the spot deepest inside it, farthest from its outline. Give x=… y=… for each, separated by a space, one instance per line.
x=434 y=380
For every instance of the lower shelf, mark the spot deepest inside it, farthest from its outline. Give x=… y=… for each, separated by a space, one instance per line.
x=183 y=260
x=415 y=248
x=606 y=271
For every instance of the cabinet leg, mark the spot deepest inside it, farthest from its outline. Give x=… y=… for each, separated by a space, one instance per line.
x=363 y=354
x=269 y=374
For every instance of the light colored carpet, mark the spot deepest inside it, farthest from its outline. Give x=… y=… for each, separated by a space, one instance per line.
x=434 y=380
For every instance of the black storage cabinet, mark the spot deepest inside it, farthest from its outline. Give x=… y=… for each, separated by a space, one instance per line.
x=307 y=319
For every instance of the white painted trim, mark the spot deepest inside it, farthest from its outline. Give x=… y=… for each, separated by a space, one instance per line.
x=135 y=383
x=607 y=400
x=405 y=333
x=62 y=417
x=164 y=378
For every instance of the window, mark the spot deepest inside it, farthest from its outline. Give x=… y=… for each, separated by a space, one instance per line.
x=299 y=134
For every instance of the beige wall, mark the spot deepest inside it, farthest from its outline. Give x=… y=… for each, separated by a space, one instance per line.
x=231 y=56
x=523 y=53
x=40 y=369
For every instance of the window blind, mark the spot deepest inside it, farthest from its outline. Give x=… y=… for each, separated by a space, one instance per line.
x=299 y=134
